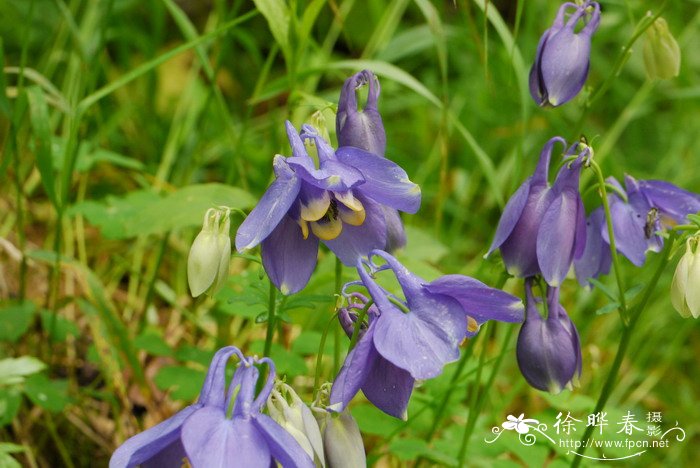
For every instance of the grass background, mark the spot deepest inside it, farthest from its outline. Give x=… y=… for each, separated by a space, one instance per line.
x=132 y=117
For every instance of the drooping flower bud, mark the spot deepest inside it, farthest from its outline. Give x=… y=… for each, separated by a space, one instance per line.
x=361 y=128
x=342 y=441
x=548 y=350
x=662 y=56
x=685 y=288
x=287 y=409
x=563 y=55
x=210 y=254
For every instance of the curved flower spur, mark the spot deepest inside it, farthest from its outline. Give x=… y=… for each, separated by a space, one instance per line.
x=339 y=203
x=209 y=436
x=563 y=55
x=411 y=339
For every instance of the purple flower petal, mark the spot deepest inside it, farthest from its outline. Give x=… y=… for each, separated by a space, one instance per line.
x=357 y=241
x=386 y=182
x=272 y=207
x=555 y=238
x=628 y=228
x=150 y=443
x=213 y=391
x=674 y=202
x=283 y=447
x=395 y=232
x=288 y=258
x=479 y=301
x=213 y=441
x=387 y=386
x=596 y=259
x=354 y=371
x=511 y=215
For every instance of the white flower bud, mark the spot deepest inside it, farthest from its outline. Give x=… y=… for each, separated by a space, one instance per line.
x=685 y=287
x=210 y=254
x=662 y=56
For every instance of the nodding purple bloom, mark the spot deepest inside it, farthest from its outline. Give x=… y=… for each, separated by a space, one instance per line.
x=548 y=350
x=639 y=212
x=563 y=55
x=208 y=436
x=340 y=203
x=543 y=228
x=360 y=128
x=413 y=339
x=364 y=129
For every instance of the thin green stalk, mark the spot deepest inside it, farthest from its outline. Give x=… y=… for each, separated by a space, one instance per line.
x=358 y=325
x=319 y=355
x=271 y=319
x=336 y=331
x=624 y=315
x=611 y=379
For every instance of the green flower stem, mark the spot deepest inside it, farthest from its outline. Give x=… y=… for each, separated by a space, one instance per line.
x=627 y=331
x=271 y=319
x=624 y=315
x=358 y=324
x=336 y=329
x=475 y=409
x=319 y=355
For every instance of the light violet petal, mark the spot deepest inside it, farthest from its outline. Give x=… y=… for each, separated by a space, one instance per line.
x=671 y=200
x=355 y=369
x=213 y=441
x=268 y=213
x=148 y=444
x=395 y=232
x=595 y=259
x=386 y=182
x=564 y=65
x=283 y=447
x=555 y=238
x=288 y=258
x=479 y=301
x=388 y=387
x=511 y=215
x=628 y=227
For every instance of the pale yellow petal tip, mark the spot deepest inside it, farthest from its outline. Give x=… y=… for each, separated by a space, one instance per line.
x=554 y=388
x=284 y=289
x=327 y=230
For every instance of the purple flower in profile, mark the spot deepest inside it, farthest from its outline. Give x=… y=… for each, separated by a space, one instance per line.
x=639 y=212
x=563 y=55
x=340 y=203
x=548 y=350
x=413 y=339
x=364 y=129
x=208 y=437
x=543 y=228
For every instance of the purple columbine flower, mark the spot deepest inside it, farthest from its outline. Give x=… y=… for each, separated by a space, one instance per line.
x=548 y=350
x=364 y=129
x=340 y=203
x=543 y=228
x=563 y=55
x=639 y=212
x=413 y=339
x=208 y=437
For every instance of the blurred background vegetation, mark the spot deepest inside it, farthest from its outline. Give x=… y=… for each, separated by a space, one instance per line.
x=122 y=121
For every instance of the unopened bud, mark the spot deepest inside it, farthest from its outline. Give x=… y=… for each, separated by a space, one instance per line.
x=210 y=254
x=662 y=56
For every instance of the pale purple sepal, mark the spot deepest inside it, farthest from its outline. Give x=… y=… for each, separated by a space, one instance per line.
x=271 y=208
x=395 y=232
x=596 y=258
x=673 y=202
x=288 y=258
x=385 y=181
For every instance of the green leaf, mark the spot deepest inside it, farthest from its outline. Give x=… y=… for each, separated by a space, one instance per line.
x=59 y=327
x=7 y=461
x=194 y=354
x=184 y=383
x=373 y=421
x=14 y=370
x=153 y=343
x=4 y=102
x=39 y=116
x=277 y=15
x=15 y=320
x=10 y=400
x=50 y=394
x=143 y=212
